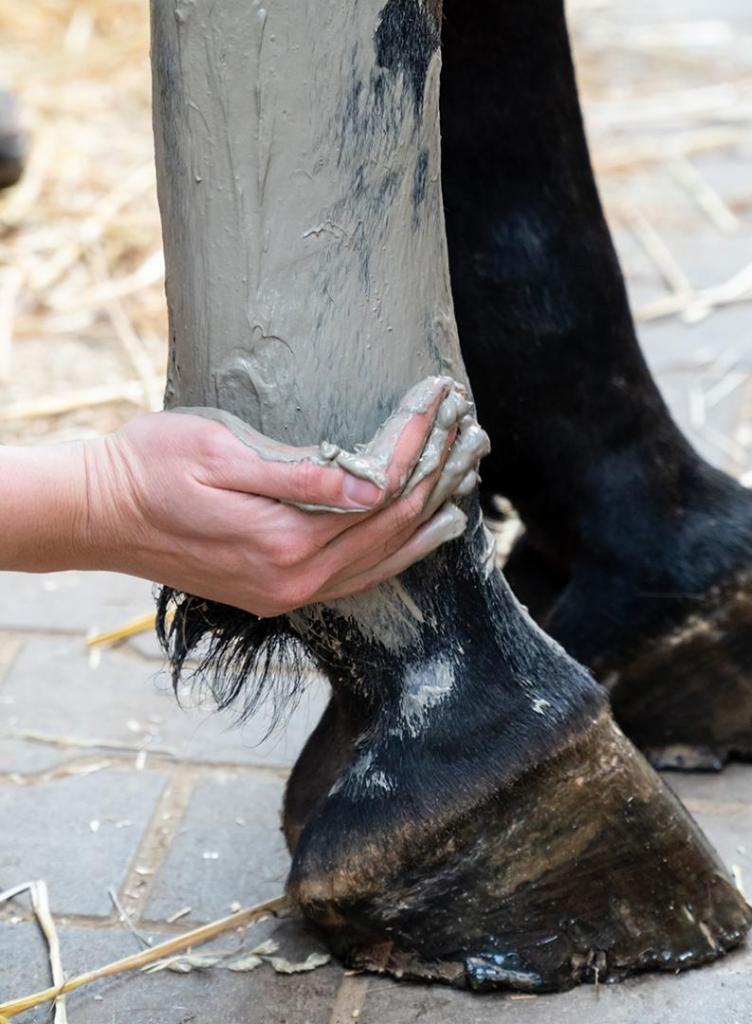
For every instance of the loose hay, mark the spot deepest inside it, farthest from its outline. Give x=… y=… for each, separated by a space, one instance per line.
x=142 y=624
x=277 y=907
x=81 y=273
x=40 y=903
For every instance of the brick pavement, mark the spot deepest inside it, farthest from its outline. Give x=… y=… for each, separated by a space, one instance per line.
x=105 y=784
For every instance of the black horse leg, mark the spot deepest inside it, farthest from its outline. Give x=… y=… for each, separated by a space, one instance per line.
x=466 y=810
x=648 y=548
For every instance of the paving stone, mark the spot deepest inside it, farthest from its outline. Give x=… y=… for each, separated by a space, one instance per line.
x=72 y=602
x=709 y=423
x=721 y=994
x=229 y=849
x=644 y=283
x=652 y=12
x=730 y=832
x=722 y=806
x=20 y=757
x=732 y=785
x=727 y=171
x=258 y=997
x=147 y=646
x=649 y=189
x=48 y=833
x=53 y=689
x=25 y=968
x=709 y=257
x=10 y=644
x=672 y=345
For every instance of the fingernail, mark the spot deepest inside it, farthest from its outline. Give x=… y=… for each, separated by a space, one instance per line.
x=361 y=493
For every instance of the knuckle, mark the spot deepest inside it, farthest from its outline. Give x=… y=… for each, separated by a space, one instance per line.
x=310 y=482
x=296 y=592
x=211 y=443
x=291 y=551
x=410 y=508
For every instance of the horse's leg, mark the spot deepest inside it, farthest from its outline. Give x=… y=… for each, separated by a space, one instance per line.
x=466 y=809
x=649 y=548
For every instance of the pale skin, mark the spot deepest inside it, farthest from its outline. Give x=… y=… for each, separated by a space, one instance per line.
x=179 y=500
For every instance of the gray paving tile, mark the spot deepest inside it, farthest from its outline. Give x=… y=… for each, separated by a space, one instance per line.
x=644 y=283
x=727 y=171
x=732 y=785
x=229 y=849
x=722 y=806
x=259 y=997
x=19 y=757
x=730 y=832
x=79 y=834
x=672 y=345
x=147 y=646
x=73 y=602
x=53 y=689
x=709 y=257
x=709 y=415
x=651 y=12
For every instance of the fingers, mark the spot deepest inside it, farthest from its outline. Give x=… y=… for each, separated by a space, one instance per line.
x=447 y=524
x=459 y=475
x=312 y=486
x=398 y=448
x=329 y=478
x=454 y=475
x=366 y=541
x=405 y=439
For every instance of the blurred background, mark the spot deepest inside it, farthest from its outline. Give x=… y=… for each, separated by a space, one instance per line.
x=667 y=92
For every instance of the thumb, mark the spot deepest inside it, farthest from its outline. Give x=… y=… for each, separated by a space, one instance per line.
x=309 y=485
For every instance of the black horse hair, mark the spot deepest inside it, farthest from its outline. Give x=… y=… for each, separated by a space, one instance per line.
x=242 y=660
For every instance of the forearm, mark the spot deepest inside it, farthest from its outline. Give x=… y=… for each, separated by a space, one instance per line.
x=43 y=507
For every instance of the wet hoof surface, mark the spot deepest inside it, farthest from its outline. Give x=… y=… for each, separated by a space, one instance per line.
x=584 y=868
x=686 y=698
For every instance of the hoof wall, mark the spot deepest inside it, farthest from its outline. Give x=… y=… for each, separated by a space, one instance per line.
x=686 y=700
x=584 y=869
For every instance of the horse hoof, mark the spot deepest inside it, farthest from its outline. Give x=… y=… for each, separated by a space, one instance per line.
x=582 y=868
x=675 y=658
x=686 y=698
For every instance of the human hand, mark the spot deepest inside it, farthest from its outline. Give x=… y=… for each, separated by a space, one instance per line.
x=179 y=499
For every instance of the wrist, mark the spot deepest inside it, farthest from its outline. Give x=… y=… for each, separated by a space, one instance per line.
x=43 y=507
x=101 y=538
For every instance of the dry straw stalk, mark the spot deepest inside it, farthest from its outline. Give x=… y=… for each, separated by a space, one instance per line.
x=272 y=908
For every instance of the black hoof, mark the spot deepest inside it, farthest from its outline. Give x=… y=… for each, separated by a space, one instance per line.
x=670 y=641
x=583 y=868
x=467 y=811
x=686 y=698
x=483 y=822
